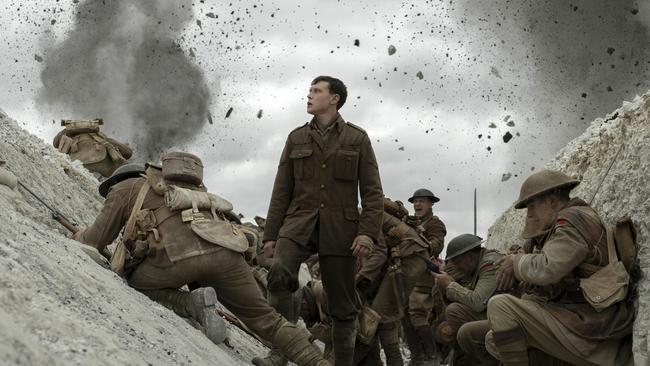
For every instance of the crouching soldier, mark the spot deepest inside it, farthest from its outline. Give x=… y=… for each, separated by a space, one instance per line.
x=175 y=233
x=476 y=265
x=569 y=244
x=82 y=140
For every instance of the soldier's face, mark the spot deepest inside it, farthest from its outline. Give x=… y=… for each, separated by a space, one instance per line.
x=540 y=214
x=421 y=205
x=466 y=263
x=319 y=99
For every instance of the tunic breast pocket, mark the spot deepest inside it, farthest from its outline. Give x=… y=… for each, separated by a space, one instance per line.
x=346 y=165
x=303 y=164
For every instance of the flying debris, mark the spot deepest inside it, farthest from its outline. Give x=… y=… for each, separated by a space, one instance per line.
x=492 y=125
x=420 y=75
x=210 y=118
x=494 y=71
x=229 y=112
x=356 y=42
x=259 y=114
x=391 y=50
x=511 y=123
x=506 y=176
x=507 y=137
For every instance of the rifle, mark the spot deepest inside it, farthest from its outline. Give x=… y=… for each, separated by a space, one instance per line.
x=431 y=267
x=396 y=269
x=238 y=323
x=56 y=215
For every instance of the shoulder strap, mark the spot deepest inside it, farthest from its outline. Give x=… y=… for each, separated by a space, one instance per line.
x=611 y=247
x=130 y=223
x=612 y=256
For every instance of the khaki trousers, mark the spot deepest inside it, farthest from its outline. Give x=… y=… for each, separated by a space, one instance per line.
x=471 y=340
x=421 y=303
x=228 y=273
x=545 y=333
x=386 y=302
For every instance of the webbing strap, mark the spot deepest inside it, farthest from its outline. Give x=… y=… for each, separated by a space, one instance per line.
x=130 y=223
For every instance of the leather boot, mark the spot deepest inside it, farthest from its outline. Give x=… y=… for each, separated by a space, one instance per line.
x=344 y=337
x=199 y=305
x=389 y=337
x=426 y=337
x=294 y=343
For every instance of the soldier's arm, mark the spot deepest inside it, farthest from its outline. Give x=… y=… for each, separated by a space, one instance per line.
x=474 y=298
x=280 y=197
x=110 y=220
x=372 y=201
x=374 y=263
x=562 y=252
x=436 y=235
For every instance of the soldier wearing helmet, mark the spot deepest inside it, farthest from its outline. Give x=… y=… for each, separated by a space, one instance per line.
x=467 y=299
x=418 y=334
x=173 y=233
x=567 y=243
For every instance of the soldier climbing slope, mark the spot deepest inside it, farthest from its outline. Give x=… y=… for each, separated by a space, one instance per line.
x=82 y=140
x=176 y=233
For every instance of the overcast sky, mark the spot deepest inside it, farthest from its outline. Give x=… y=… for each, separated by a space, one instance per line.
x=463 y=75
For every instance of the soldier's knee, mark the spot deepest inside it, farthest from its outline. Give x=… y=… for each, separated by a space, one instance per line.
x=499 y=305
x=464 y=336
x=280 y=279
x=455 y=311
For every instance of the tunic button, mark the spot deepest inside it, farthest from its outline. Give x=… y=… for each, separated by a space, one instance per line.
x=322 y=205
x=322 y=186
x=324 y=165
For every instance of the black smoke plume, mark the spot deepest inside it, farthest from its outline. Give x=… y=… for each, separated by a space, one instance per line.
x=122 y=61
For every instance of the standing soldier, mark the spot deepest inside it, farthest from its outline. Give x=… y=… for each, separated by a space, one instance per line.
x=570 y=244
x=467 y=300
x=325 y=165
x=82 y=140
x=408 y=252
x=175 y=233
x=416 y=326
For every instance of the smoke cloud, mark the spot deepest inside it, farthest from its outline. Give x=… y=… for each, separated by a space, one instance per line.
x=122 y=61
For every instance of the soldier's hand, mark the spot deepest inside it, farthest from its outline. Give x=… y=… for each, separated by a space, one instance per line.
x=442 y=279
x=440 y=263
x=505 y=273
x=362 y=246
x=269 y=248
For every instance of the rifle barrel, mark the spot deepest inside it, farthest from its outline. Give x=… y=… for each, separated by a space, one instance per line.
x=56 y=215
x=35 y=196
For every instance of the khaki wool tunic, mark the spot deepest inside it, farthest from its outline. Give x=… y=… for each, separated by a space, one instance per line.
x=318 y=182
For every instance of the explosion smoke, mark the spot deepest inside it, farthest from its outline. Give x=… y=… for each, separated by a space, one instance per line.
x=122 y=62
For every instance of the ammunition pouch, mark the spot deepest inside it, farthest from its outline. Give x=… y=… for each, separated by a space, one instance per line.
x=368 y=323
x=608 y=285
